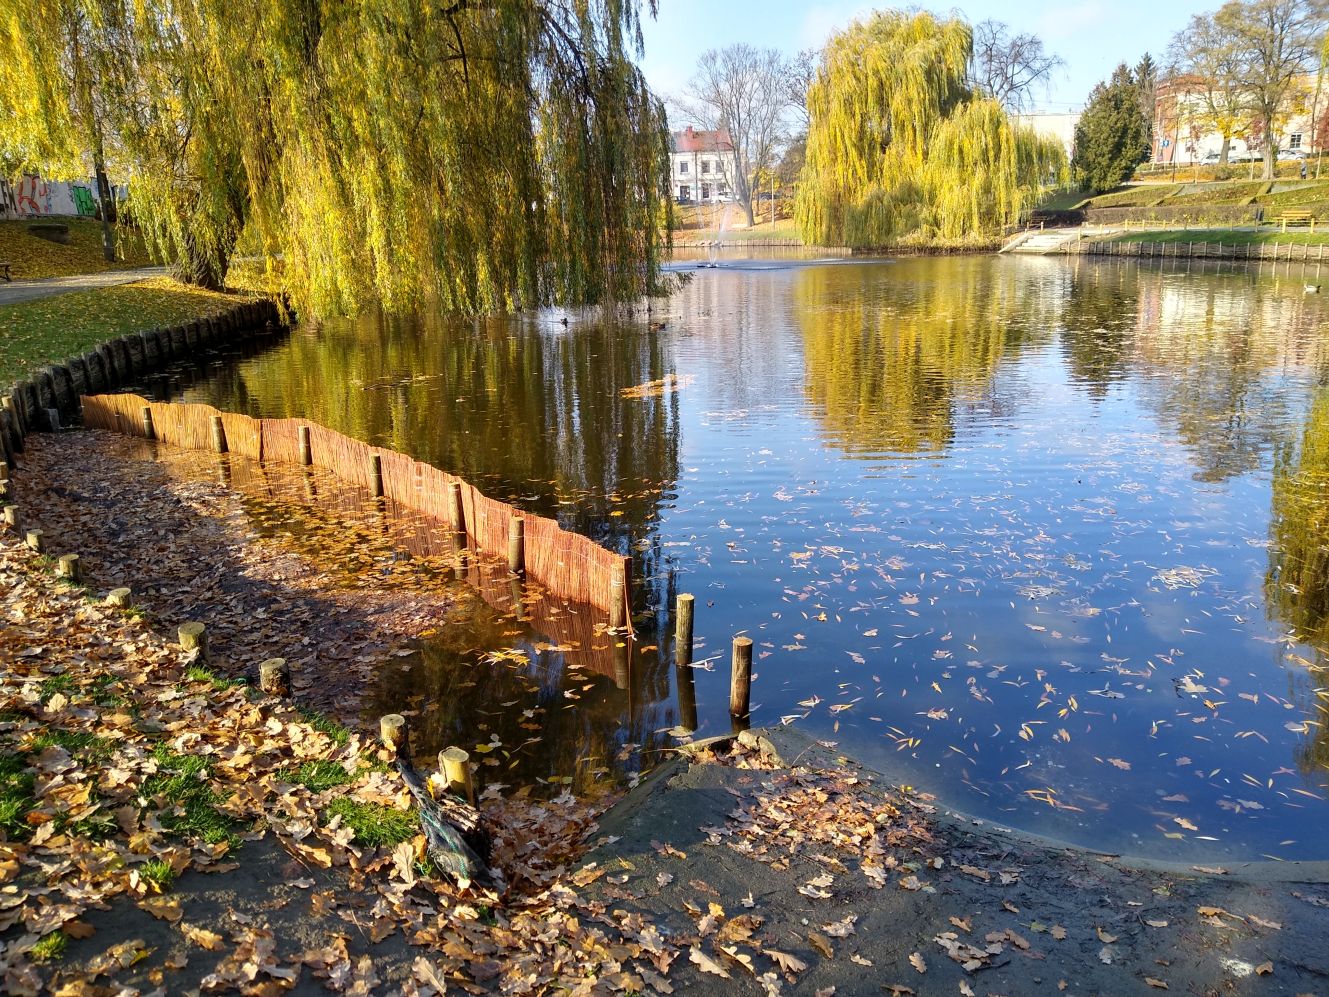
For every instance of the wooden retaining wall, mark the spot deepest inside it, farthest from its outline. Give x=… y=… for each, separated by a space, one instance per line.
x=1287 y=252
x=568 y=565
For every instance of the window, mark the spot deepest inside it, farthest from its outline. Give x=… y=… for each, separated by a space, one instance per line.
x=706 y=166
x=1294 y=140
x=682 y=166
x=685 y=193
x=705 y=191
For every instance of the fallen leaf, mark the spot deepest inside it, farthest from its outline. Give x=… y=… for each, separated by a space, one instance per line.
x=916 y=960
x=706 y=963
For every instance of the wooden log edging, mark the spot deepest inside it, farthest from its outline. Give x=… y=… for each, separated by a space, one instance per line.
x=568 y=565
x=1271 y=252
x=119 y=361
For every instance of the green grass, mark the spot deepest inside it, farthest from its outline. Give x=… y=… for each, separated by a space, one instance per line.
x=16 y=799
x=375 y=825
x=35 y=258
x=57 y=683
x=197 y=673
x=1228 y=237
x=158 y=873
x=33 y=333
x=316 y=776
x=188 y=801
x=339 y=734
x=1062 y=200
x=84 y=744
x=50 y=947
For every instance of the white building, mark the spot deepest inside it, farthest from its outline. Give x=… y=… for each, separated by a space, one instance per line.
x=702 y=166
x=1184 y=132
x=1057 y=126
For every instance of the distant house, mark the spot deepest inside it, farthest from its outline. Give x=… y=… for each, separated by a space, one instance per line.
x=1184 y=131
x=702 y=166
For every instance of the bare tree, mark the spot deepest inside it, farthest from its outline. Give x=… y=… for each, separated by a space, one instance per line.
x=1206 y=56
x=1276 y=40
x=745 y=91
x=801 y=70
x=1008 y=67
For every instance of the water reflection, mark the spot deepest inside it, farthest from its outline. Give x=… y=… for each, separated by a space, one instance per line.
x=1073 y=616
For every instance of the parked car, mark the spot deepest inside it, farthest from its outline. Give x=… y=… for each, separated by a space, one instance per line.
x=1290 y=155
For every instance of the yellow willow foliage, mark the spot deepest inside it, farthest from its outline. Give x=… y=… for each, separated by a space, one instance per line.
x=479 y=154
x=899 y=148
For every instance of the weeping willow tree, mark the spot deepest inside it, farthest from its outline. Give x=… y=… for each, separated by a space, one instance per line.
x=483 y=154
x=899 y=149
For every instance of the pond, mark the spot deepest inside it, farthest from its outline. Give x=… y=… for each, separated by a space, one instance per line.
x=1046 y=537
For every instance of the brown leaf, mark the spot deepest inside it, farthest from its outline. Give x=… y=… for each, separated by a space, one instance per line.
x=209 y=940
x=1155 y=983
x=916 y=960
x=1104 y=937
x=1264 y=969
x=822 y=944
x=706 y=963
x=1058 y=932
x=787 y=963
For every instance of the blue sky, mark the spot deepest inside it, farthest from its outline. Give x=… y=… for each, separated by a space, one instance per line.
x=1091 y=35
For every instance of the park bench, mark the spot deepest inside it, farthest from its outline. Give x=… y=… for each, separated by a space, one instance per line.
x=1297 y=218
x=5 y=269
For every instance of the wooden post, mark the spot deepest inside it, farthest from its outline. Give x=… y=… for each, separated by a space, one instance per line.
x=306 y=450
x=740 y=680
x=456 y=516
x=455 y=764
x=218 y=434
x=376 y=475
x=12 y=521
x=4 y=470
x=618 y=607
x=121 y=598
x=148 y=430
x=53 y=420
x=36 y=541
x=395 y=734
x=516 y=591
x=683 y=607
x=194 y=637
x=274 y=677
x=68 y=567
x=517 y=545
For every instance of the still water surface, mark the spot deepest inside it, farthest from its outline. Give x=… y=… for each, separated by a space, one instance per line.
x=1048 y=538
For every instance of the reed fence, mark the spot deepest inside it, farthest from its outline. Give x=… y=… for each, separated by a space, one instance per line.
x=567 y=565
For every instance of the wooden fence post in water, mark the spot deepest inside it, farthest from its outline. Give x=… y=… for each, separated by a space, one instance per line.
x=274 y=677
x=376 y=475
x=36 y=541
x=740 y=680
x=456 y=516
x=149 y=431
x=396 y=736
x=218 y=434
x=121 y=598
x=68 y=568
x=455 y=764
x=306 y=450
x=618 y=606
x=194 y=637
x=683 y=607
x=517 y=545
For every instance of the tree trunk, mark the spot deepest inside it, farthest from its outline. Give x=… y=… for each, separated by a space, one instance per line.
x=202 y=271
x=1268 y=147
x=107 y=204
x=1224 y=152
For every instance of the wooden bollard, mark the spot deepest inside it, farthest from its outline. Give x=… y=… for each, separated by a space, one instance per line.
x=218 y=434
x=274 y=677
x=455 y=764
x=376 y=475
x=12 y=521
x=194 y=637
x=306 y=449
x=9 y=426
x=455 y=514
x=121 y=598
x=395 y=734
x=4 y=470
x=69 y=568
x=52 y=420
x=683 y=607
x=740 y=681
x=36 y=541
x=149 y=431
x=618 y=606
x=517 y=545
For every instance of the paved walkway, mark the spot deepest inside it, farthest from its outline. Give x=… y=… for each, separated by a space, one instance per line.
x=31 y=290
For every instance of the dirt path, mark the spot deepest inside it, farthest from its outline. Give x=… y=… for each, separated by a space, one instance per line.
x=11 y=293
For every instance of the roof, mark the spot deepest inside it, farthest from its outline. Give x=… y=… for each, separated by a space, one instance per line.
x=694 y=140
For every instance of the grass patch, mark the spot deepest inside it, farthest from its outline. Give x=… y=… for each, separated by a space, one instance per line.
x=16 y=799
x=33 y=333
x=316 y=776
x=339 y=734
x=1062 y=200
x=158 y=873
x=373 y=824
x=57 y=683
x=35 y=258
x=1228 y=237
x=86 y=745
x=189 y=802
x=50 y=947
x=197 y=673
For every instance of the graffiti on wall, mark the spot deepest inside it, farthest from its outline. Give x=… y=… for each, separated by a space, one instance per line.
x=31 y=196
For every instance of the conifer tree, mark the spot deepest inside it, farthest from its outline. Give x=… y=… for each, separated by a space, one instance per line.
x=1111 y=137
